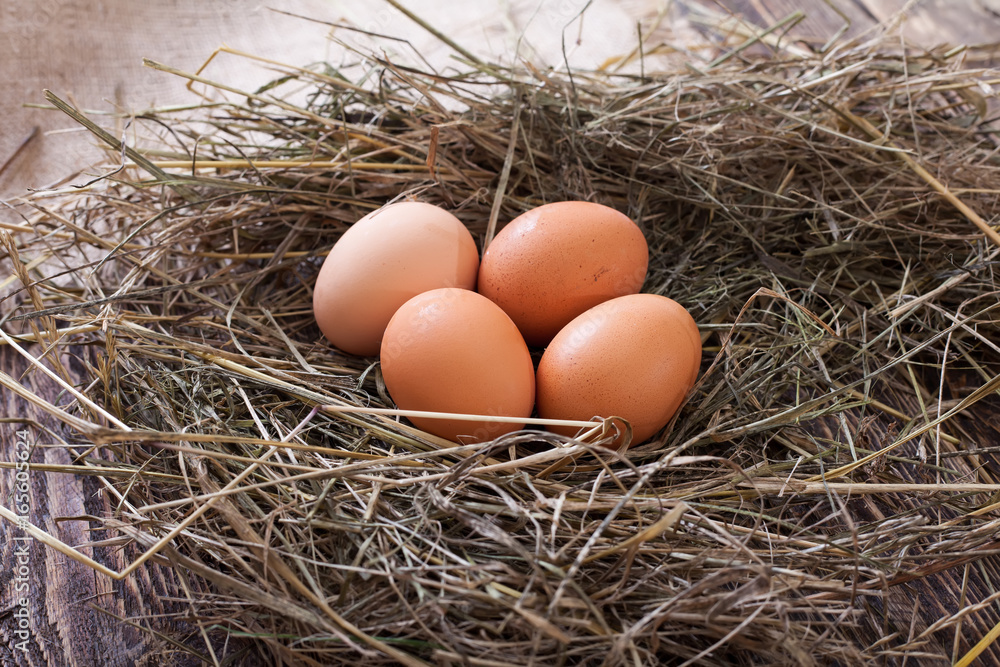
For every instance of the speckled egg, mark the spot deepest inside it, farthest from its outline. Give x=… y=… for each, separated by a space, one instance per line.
x=384 y=259
x=553 y=262
x=634 y=357
x=452 y=350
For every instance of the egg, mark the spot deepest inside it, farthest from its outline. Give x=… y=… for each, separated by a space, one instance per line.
x=380 y=262
x=453 y=350
x=555 y=261
x=635 y=357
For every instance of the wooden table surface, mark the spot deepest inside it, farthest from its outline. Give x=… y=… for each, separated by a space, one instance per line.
x=926 y=23
x=93 y=50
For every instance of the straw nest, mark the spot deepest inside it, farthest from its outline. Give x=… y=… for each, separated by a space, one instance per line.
x=820 y=214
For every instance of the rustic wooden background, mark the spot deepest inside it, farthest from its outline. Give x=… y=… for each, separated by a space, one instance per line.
x=92 y=51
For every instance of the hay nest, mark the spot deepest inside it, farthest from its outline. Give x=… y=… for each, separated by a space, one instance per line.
x=822 y=215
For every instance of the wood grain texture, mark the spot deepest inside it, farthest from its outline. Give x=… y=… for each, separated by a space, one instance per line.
x=927 y=24
x=915 y=601
x=66 y=628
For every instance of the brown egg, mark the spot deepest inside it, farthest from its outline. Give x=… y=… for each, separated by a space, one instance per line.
x=634 y=357
x=384 y=259
x=553 y=262
x=452 y=350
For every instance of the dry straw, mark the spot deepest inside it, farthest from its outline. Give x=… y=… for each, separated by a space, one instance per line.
x=825 y=215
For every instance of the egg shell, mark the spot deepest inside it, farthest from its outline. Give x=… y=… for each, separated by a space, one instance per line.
x=634 y=357
x=452 y=350
x=555 y=261
x=380 y=262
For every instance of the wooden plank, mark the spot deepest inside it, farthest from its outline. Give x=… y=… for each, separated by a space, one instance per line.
x=927 y=24
x=821 y=21
x=56 y=595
